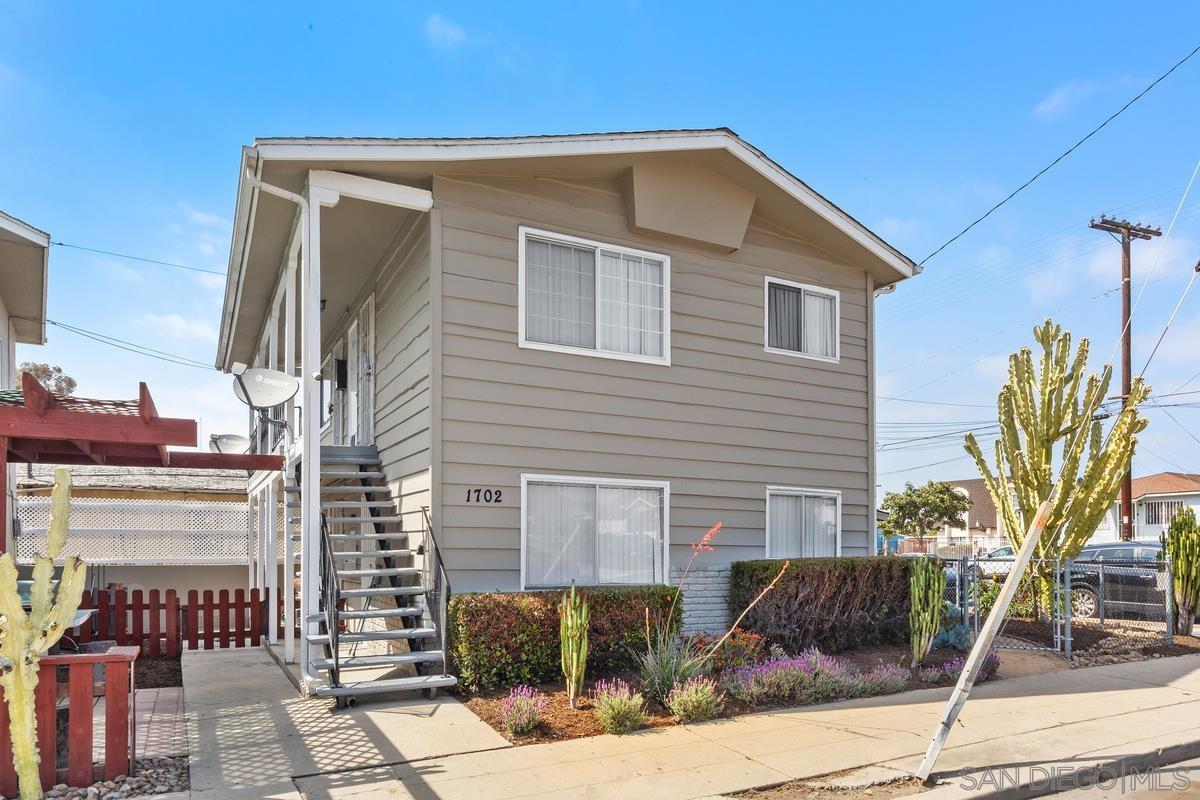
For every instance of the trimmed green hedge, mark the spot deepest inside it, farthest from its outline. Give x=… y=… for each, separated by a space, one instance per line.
x=834 y=604
x=502 y=640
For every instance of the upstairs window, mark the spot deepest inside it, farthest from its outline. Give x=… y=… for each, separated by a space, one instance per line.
x=586 y=297
x=801 y=320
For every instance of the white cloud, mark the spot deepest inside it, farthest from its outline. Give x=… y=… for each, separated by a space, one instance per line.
x=1178 y=347
x=178 y=327
x=198 y=217
x=1177 y=258
x=1062 y=99
x=210 y=281
x=443 y=33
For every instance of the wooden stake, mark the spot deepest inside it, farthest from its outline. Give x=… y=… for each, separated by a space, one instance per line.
x=983 y=643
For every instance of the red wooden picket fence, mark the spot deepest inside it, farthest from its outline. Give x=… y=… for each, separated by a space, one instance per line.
x=161 y=625
x=79 y=671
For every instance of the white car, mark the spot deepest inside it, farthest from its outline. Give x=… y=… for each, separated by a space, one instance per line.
x=998 y=563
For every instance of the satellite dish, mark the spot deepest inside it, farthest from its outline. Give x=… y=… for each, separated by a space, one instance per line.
x=228 y=443
x=264 y=388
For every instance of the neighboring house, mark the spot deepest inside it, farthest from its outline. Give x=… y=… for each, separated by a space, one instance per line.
x=984 y=530
x=24 y=258
x=577 y=352
x=144 y=527
x=1156 y=498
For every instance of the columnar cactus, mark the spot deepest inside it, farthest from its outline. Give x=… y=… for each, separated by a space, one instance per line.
x=1037 y=409
x=1182 y=542
x=26 y=637
x=573 y=635
x=927 y=588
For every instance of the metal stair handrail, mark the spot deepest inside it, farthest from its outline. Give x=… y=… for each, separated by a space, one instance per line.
x=436 y=584
x=330 y=598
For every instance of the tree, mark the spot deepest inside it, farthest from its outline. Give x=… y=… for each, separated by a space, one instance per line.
x=1039 y=409
x=53 y=378
x=920 y=510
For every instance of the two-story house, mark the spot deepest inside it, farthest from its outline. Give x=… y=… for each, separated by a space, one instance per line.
x=532 y=361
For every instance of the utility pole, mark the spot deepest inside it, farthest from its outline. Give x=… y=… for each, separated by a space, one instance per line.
x=1126 y=231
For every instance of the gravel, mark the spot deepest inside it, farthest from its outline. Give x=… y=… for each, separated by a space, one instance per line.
x=153 y=776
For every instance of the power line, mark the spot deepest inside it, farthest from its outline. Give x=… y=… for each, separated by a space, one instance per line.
x=935 y=402
x=1066 y=153
x=1171 y=319
x=923 y=466
x=138 y=258
x=132 y=347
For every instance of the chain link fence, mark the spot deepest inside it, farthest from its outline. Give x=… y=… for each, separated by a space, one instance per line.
x=1068 y=606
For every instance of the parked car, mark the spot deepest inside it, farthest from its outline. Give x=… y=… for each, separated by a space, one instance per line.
x=1133 y=576
x=998 y=563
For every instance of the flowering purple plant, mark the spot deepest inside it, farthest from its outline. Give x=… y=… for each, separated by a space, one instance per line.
x=619 y=709
x=953 y=668
x=523 y=709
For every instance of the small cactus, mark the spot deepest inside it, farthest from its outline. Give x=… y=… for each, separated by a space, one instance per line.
x=573 y=634
x=1182 y=543
x=26 y=637
x=927 y=587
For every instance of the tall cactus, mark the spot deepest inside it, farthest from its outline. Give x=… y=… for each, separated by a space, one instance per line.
x=26 y=637
x=1038 y=408
x=1182 y=543
x=573 y=637
x=927 y=589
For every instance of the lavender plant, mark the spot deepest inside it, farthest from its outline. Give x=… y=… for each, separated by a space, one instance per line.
x=619 y=709
x=695 y=700
x=523 y=709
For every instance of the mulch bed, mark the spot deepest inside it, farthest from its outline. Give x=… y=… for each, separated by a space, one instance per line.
x=560 y=722
x=157 y=672
x=1083 y=636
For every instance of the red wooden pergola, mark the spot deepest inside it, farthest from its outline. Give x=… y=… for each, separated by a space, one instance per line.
x=42 y=427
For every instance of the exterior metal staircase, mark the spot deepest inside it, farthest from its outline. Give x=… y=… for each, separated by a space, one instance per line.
x=383 y=589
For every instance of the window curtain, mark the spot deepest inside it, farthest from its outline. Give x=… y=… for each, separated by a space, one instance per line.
x=628 y=534
x=560 y=534
x=631 y=304
x=560 y=293
x=802 y=526
x=784 y=331
x=820 y=327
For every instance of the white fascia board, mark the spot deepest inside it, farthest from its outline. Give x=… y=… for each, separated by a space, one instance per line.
x=24 y=230
x=238 y=249
x=602 y=144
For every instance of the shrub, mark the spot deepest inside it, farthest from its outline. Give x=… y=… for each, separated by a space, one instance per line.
x=500 y=640
x=885 y=679
x=619 y=709
x=695 y=701
x=670 y=661
x=811 y=677
x=930 y=674
x=523 y=710
x=830 y=603
x=956 y=637
x=742 y=647
x=953 y=668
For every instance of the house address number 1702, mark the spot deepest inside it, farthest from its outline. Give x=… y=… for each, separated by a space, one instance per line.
x=480 y=495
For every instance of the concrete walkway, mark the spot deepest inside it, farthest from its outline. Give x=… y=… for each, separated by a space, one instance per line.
x=254 y=736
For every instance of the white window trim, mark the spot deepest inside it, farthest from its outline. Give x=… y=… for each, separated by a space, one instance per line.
x=524 y=231
x=797 y=491
x=620 y=483
x=837 y=319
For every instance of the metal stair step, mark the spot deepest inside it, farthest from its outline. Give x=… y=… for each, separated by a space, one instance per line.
x=392 y=660
x=347 y=537
x=341 y=455
x=382 y=687
x=348 y=504
x=378 y=573
x=338 y=474
x=383 y=591
x=355 y=520
x=352 y=554
x=373 y=636
x=365 y=489
x=372 y=613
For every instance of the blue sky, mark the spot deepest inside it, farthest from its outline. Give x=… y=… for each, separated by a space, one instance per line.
x=120 y=129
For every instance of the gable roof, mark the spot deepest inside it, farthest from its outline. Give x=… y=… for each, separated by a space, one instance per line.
x=1166 y=483
x=285 y=161
x=982 y=510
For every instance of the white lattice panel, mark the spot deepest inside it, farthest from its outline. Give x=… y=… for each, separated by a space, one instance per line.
x=141 y=532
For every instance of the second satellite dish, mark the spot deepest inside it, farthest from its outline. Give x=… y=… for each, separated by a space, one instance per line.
x=265 y=388
x=228 y=443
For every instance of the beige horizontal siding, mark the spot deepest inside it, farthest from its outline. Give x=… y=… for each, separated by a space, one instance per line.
x=723 y=421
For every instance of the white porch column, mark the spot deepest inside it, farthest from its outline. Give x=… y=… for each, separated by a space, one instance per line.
x=310 y=367
x=289 y=552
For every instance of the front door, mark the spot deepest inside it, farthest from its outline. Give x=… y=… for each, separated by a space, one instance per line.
x=358 y=396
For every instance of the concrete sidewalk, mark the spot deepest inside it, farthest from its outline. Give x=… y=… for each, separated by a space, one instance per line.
x=1077 y=717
